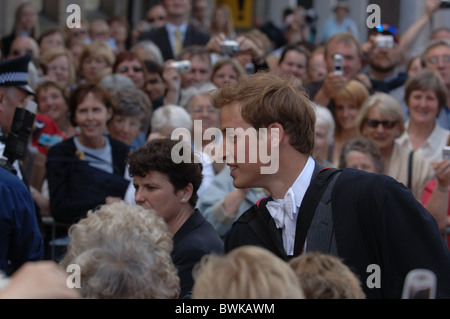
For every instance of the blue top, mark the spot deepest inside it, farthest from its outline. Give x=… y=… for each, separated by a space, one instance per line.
x=20 y=236
x=444 y=118
x=332 y=27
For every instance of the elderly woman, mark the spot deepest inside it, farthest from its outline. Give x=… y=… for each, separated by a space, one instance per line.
x=361 y=154
x=123 y=241
x=60 y=67
x=381 y=120
x=129 y=64
x=324 y=131
x=95 y=61
x=131 y=120
x=171 y=190
x=87 y=169
x=425 y=96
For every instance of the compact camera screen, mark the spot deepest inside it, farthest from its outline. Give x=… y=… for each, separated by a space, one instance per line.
x=230 y=48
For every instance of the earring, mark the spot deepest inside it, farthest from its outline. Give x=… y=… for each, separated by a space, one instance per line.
x=184 y=200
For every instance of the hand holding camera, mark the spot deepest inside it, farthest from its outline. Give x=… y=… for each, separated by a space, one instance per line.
x=182 y=67
x=229 y=48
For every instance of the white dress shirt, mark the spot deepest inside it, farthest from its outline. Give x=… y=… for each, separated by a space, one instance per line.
x=285 y=211
x=432 y=148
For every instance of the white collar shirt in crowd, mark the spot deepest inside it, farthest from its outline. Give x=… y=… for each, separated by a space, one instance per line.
x=433 y=146
x=285 y=211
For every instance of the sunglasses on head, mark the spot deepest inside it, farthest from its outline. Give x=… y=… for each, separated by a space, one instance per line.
x=386 y=124
x=386 y=28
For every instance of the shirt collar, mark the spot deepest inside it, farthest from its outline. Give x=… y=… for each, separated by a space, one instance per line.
x=301 y=184
x=172 y=27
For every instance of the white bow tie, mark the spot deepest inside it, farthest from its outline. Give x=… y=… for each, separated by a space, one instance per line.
x=282 y=211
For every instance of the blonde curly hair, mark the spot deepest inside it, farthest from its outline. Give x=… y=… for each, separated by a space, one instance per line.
x=248 y=272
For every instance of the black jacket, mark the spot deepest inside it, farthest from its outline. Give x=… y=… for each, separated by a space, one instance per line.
x=76 y=187
x=365 y=219
x=161 y=38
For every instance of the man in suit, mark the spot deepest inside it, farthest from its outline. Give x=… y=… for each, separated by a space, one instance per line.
x=165 y=37
x=365 y=219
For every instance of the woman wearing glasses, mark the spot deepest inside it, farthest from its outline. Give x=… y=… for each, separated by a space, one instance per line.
x=381 y=120
x=129 y=64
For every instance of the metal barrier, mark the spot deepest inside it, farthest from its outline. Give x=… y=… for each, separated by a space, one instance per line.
x=446 y=233
x=55 y=243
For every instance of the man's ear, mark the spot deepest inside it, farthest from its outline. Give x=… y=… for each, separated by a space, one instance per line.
x=276 y=133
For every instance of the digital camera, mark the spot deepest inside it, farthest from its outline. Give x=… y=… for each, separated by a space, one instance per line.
x=385 y=42
x=229 y=47
x=182 y=66
x=446 y=153
x=445 y=4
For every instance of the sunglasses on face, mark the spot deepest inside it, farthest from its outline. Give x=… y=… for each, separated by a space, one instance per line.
x=386 y=124
x=125 y=69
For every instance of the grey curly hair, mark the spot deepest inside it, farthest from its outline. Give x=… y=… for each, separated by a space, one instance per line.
x=123 y=251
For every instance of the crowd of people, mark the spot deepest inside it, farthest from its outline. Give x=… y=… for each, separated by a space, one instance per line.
x=100 y=164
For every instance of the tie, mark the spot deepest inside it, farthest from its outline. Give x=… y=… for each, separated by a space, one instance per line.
x=178 y=43
x=282 y=210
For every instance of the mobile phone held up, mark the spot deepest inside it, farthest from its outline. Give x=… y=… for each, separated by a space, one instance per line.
x=446 y=153
x=420 y=284
x=338 y=64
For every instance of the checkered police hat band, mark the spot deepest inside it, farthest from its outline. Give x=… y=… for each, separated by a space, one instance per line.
x=14 y=78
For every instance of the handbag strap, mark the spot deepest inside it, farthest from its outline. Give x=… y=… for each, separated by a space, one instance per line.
x=410 y=169
x=309 y=205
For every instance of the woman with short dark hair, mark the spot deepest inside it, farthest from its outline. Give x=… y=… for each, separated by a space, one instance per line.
x=166 y=176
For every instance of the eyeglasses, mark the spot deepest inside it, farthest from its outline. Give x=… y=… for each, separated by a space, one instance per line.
x=386 y=124
x=435 y=59
x=125 y=69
